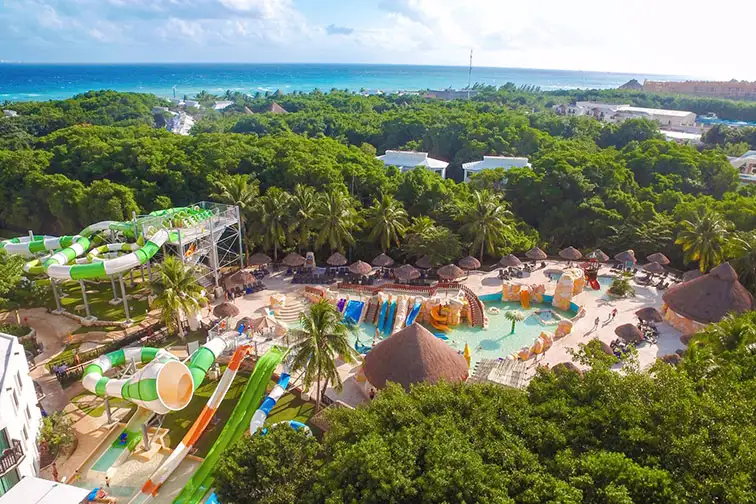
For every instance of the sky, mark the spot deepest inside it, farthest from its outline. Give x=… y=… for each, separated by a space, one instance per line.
x=673 y=37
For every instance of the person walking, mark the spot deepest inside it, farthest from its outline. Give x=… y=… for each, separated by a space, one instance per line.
x=596 y=323
x=614 y=313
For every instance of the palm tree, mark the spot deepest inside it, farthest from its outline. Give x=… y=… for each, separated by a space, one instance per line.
x=744 y=262
x=421 y=225
x=703 y=239
x=176 y=292
x=321 y=339
x=621 y=286
x=335 y=219
x=729 y=334
x=515 y=316
x=241 y=191
x=485 y=221
x=388 y=220
x=304 y=204
x=274 y=212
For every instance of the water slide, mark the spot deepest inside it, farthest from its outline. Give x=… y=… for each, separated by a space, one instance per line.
x=389 y=324
x=525 y=299
x=439 y=321
x=594 y=284
x=202 y=479
x=382 y=316
x=353 y=311
x=402 y=306
x=413 y=313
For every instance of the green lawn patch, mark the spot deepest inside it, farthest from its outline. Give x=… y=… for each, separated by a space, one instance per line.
x=99 y=295
x=65 y=355
x=94 y=406
x=14 y=329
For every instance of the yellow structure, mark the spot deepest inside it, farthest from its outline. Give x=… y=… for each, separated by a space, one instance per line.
x=466 y=354
x=564 y=327
x=569 y=285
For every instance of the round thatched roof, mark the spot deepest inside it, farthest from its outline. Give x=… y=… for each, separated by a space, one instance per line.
x=294 y=260
x=336 y=259
x=629 y=333
x=606 y=348
x=567 y=366
x=710 y=297
x=510 y=260
x=360 y=268
x=450 y=272
x=469 y=263
x=673 y=359
x=649 y=314
x=259 y=259
x=536 y=254
x=226 y=309
x=413 y=355
x=626 y=256
x=406 y=272
x=690 y=275
x=599 y=255
x=658 y=257
x=241 y=277
x=383 y=261
x=424 y=262
x=653 y=267
x=570 y=253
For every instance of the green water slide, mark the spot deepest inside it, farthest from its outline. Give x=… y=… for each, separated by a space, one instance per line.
x=203 y=478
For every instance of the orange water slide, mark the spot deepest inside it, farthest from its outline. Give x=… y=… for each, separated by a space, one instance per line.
x=439 y=321
x=525 y=299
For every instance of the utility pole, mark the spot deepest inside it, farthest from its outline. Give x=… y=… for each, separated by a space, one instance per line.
x=469 y=75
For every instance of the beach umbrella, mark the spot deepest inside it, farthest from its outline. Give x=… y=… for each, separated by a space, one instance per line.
x=264 y=322
x=424 y=262
x=510 y=261
x=337 y=259
x=599 y=255
x=360 y=268
x=606 y=348
x=649 y=314
x=653 y=267
x=570 y=253
x=469 y=263
x=673 y=359
x=691 y=275
x=293 y=260
x=406 y=272
x=226 y=309
x=629 y=333
x=383 y=261
x=628 y=256
x=241 y=277
x=658 y=257
x=450 y=272
x=536 y=254
x=259 y=259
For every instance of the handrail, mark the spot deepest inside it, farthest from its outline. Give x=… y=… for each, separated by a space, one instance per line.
x=11 y=457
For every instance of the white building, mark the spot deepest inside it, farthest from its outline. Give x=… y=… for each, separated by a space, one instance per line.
x=31 y=490
x=613 y=112
x=406 y=160
x=19 y=415
x=746 y=165
x=191 y=104
x=10 y=113
x=181 y=124
x=491 y=162
x=682 y=137
x=222 y=104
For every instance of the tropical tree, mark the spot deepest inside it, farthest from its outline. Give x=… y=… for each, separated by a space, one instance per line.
x=239 y=190
x=322 y=337
x=703 y=239
x=303 y=205
x=274 y=214
x=177 y=293
x=485 y=222
x=387 y=219
x=335 y=219
x=744 y=262
x=515 y=316
x=621 y=286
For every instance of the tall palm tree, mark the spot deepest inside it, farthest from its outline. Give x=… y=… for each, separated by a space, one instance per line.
x=304 y=203
x=274 y=214
x=515 y=316
x=388 y=221
x=704 y=239
x=322 y=337
x=485 y=222
x=335 y=219
x=240 y=190
x=421 y=225
x=744 y=262
x=177 y=293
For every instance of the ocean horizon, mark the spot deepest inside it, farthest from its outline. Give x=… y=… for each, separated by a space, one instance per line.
x=42 y=81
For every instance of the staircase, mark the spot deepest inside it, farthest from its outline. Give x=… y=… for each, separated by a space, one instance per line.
x=371 y=312
x=290 y=313
x=476 y=307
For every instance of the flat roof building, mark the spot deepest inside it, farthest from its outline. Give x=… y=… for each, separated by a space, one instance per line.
x=492 y=162
x=407 y=160
x=32 y=490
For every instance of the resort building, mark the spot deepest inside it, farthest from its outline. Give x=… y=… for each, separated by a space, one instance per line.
x=736 y=90
x=181 y=124
x=611 y=112
x=691 y=305
x=10 y=113
x=746 y=165
x=20 y=418
x=682 y=137
x=492 y=162
x=33 y=490
x=222 y=104
x=407 y=160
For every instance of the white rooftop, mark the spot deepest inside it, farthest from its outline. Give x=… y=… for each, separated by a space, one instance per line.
x=740 y=161
x=652 y=111
x=6 y=344
x=497 y=162
x=32 y=490
x=681 y=135
x=410 y=159
x=221 y=104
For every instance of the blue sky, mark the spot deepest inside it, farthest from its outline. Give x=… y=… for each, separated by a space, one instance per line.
x=686 y=37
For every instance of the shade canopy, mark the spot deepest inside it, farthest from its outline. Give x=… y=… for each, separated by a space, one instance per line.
x=294 y=260
x=226 y=309
x=469 y=263
x=450 y=272
x=653 y=267
x=241 y=277
x=629 y=333
x=413 y=355
x=628 y=256
x=536 y=254
x=570 y=253
x=383 y=261
x=658 y=257
x=567 y=366
x=510 y=261
x=406 y=272
x=606 y=348
x=360 y=268
x=599 y=255
x=649 y=314
x=690 y=275
x=266 y=322
x=710 y=297
x=336 y=259
x=259 y=259
x=424 y=262
x=673 y=359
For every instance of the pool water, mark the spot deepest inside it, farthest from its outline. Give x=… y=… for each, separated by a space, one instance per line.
x=108 y=458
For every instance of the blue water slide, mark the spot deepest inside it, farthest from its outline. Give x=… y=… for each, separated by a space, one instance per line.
x=353 y=311
x=390 y=319
x=382 y=316
x=413 y=314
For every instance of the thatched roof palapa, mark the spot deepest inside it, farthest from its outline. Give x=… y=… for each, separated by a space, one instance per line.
x=658 y=257
x=570 y=253
x=450 y=272
x=599 y=255
x=649 y=314
x=413 y=355
x=710 y=297
x=424 y=262
x=259 y=259
x=383 y=261
x=510 y=261
x=406 y=272
x=536 y=254
x=629 y=333
x=336 y=259
x=626 y=256
x=293 y=260
x=567 y=366
x=654 y=267
x=360 y=268
x=469 y=263
x=226 y=309
x=241 y=277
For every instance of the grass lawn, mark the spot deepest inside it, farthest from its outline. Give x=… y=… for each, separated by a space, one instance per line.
x=66 y=354
x=99 y=294
x=95 y=406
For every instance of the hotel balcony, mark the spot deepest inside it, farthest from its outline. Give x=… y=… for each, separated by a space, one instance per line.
x=11 y=457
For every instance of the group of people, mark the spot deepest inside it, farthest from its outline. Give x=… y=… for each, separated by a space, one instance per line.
x=610 y=318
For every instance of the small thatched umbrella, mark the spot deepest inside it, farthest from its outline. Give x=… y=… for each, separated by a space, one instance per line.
x=606 y=348
x=510 y=261
x=360 y=268
x=294 y=260
x=599 y=255
x=259 y=259
x=450 y=272
x=649 y=314
x=424 y=262
x=673 y=359
x=241 y=277
x=571 y=254
x=469 y=263
x=628 y=256
x=226 y=309
x=658 y=257
x=629 y=333
x=691 y=275
x=337 y=259
x=653 y=267
x=567 y=366
x=383 y=261
x=536 y=254
x=406 y=272
x=266 y=322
